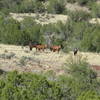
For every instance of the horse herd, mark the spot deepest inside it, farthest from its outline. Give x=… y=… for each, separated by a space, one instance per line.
x=54 y=48
x=42 y=47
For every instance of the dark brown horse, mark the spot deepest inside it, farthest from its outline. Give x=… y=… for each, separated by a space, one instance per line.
x=37 y=46
x=32 y=45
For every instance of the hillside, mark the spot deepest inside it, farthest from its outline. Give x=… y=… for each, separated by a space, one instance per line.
x=70 y=23
x=46 y=17
x=64 y=36
x=22 y=59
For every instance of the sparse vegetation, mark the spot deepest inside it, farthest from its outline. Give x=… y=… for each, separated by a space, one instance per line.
x=95 y=9
x=24 y=60
x=80 y=70
x=56 y=6
x=80 y=16
x=7 y=55
x=78 y=32
x=37 y=86
x=79 y=82
x=89 y=95
x=82 y=2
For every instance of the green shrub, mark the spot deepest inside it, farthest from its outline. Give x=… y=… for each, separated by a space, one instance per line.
x=95 y=10
x=80 y=16
x=71 y=1
x=39 y=7
x=83 y=77
x=76 y=32
x=85 y=2
x=82 y=2
x=28 y=86
x=56 y=6
x=26 y=6
x=91 y=38
x=41 y=0
x=13 y=32
x=89 y=95
x=81 y=71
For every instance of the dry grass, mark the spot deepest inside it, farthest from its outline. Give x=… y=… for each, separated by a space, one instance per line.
x=95 y=20
x=76 y=7
x=33 y=61
x=40 y=18
x=98 y=2
x=51 y=18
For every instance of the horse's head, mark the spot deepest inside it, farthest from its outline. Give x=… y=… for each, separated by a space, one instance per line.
x=62 y=47
x=75 y=51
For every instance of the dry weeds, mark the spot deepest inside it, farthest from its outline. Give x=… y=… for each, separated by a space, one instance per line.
x=95 y=20
x=76 y=7
x=40 y=61
x=40 y=18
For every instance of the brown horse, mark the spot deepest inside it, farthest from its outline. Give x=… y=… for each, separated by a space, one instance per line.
x=96 y=67
x=41 y=47
x=55 y=48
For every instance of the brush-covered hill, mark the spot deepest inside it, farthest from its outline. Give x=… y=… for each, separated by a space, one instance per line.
x=81 y=9
x=23 y=60
x=46 y=75
x=73 y=23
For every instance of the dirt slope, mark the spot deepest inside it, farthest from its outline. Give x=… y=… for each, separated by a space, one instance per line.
x=21 y=59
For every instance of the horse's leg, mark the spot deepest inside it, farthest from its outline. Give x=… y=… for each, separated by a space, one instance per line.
x=43 y=49
x=58 y=50
x=39 y=49
x=36 y=49
x=54 y=50
x=51 y=50
x=30 y=48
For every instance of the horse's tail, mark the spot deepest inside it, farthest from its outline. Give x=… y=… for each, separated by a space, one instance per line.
x=30 y=46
